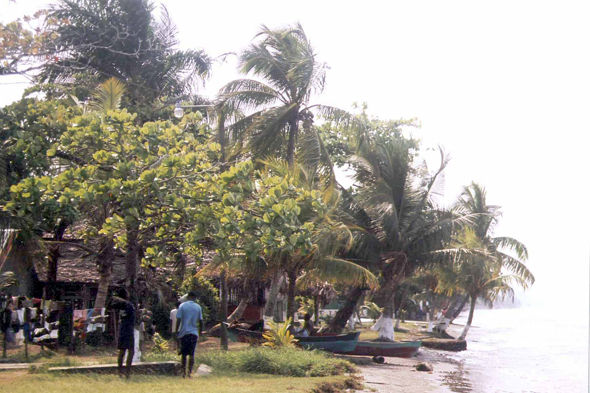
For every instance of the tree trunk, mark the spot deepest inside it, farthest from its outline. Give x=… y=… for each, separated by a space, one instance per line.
x=402 y=304
x=460 y=308
x=391 y=274
x=384 y=324
x=103 y=288
x=469 y=319
x=343 y=315
x=291 y=144
x=105 y=261
x=131 y=265
x=239 y=311
x=52 y=265
x=4 y=338
x=223 y=310
x=316 y=309
x=291 y=309
x=54 y=255
x=442 y=326
x=221 y=138
x=271 y=301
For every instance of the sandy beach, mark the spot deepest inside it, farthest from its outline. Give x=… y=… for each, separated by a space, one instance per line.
x=400 y=375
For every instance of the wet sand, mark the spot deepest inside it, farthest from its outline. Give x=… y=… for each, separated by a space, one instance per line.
x=400 y=375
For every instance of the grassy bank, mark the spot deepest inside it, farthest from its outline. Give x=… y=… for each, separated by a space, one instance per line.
x=219 y=383
x=247 y=369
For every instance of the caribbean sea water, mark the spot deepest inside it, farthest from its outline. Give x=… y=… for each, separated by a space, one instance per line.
x=534 y=349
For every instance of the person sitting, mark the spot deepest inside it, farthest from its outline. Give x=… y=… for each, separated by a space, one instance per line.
x=258 y=326
x=308 y=325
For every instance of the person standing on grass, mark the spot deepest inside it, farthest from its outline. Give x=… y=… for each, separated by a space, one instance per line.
x=173 y=321
x=189 y=324
x=126 y=333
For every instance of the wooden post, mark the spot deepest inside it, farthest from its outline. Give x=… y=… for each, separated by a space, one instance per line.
x=4 y=344
x=27 y=333
x=116 y=319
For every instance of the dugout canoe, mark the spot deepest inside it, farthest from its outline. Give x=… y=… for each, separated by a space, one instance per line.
x=244 y=336
x=403 y=349
x=330 y=342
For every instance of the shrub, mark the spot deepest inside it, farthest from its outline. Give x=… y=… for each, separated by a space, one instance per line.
x=279 y=336
x=207 y=296
x=161 y=318
x=160 y=345
x=285 y=361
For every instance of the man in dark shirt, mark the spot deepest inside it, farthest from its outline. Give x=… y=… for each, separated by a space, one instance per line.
x=126 y=331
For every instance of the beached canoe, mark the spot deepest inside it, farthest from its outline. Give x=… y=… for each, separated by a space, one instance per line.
x=330 y=342
x=244 y=336
x=403 y=349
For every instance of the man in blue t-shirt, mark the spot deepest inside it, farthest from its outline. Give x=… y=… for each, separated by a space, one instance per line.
x=189 y=324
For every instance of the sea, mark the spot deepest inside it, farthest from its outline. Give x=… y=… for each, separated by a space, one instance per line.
x=528 y=349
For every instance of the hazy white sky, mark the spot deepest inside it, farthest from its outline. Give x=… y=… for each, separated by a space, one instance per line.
x=504 y=86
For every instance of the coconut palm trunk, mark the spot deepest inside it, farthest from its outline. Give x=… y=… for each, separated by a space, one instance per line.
x=402 y=304
x=239 y=311
x=469 y=319
x=391 y=274
x=343 y=315
x=293 y=127
x=460 y=308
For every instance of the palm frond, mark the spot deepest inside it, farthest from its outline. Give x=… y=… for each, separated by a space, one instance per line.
x=516 y=267
x=336 y=270
x=108 y=96
x=511 y=244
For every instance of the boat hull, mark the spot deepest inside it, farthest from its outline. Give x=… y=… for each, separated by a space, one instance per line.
x=333 y=343
x=404 y=349
x=245 y=336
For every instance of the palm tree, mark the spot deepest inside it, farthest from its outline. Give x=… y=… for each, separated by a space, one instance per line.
x=286 y=62
x=95 y=40
x=400 y=224
x=479 y=259
x=478 y=271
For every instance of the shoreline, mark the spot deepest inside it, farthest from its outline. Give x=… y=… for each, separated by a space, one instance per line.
x=400 y=375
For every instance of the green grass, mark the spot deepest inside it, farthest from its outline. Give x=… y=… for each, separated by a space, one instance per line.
x=220 y=383
x=280 y=361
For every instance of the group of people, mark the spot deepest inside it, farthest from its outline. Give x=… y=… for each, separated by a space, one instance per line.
x=187 y=325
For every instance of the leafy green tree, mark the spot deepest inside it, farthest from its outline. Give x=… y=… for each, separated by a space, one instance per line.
x=328 y=237
x=115 y=171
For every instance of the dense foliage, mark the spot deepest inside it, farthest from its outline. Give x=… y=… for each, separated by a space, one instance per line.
x=254 y=198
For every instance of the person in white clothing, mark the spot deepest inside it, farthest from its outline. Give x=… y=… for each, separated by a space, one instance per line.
x=173 y=318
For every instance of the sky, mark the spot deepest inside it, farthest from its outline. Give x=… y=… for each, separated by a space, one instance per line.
x=503 y=86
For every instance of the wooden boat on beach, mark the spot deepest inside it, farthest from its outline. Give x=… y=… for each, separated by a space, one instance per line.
x=244 y=335
x=327 y=342
x=330 y=342
x=403 y=349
